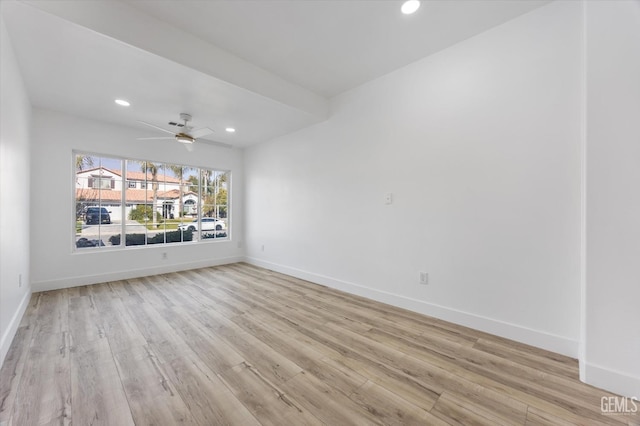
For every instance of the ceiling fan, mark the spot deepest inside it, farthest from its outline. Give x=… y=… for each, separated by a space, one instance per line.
x=186 y=135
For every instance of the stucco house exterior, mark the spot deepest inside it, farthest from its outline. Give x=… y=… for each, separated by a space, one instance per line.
x=102 y=186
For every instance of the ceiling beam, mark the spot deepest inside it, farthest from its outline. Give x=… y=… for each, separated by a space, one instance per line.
x=122 y=22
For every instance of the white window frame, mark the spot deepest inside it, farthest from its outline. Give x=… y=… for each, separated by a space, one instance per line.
x=199 y=235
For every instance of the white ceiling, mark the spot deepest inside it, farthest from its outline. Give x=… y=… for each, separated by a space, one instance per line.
x=265 y=67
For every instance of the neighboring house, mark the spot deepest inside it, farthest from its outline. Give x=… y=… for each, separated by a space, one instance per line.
x=102 y=177
x=101 y=186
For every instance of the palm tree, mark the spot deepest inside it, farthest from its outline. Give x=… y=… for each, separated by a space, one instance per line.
x=179 y=171
x=205 y=175
x=149 y=167
x=214 y=192
x=221 y=202
x=83 y=161
x=221 y=197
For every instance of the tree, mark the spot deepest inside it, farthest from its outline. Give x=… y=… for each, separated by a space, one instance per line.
x=221 y=178
x=214 y=193
x=193 y=183
x=149 y=167
x=83 y=161
x=179 y=172
x=221 y=201
x=206 y=192
x=206 y=175
x=213 y=190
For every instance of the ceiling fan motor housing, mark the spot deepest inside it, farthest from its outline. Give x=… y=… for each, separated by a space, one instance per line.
x=184 y=138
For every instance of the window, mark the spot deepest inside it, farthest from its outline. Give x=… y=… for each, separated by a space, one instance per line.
x=174 y=203
x=101 y=182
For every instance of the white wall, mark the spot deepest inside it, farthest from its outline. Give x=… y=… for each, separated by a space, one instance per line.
x=613 y=196
x=480 y=146
x=15 y=116
x=54 y=264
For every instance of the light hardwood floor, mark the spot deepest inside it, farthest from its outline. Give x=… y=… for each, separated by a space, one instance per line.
x=241 y=345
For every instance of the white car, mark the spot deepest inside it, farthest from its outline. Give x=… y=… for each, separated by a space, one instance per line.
x=208 y=224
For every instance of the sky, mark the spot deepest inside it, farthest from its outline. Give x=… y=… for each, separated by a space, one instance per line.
x=132 y=166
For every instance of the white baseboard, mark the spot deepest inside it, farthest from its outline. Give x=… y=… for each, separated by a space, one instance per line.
x=540 y=339
x=615 y=381
x=9 y=334
x=129 y=274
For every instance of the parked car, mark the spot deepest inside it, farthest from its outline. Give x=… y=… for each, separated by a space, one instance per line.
x=208 y=224
x=97 y=215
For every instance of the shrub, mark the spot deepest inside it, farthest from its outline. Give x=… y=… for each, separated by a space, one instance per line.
x=140 y=239
x=136 y=239
x=217 y=234
x=83 y=242
x=171 y=237
x=114 y=240
x=143 y=212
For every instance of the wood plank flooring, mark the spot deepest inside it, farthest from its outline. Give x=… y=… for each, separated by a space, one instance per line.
x=240 y=345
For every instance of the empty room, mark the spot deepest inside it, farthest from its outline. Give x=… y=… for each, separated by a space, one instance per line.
x=324 y=212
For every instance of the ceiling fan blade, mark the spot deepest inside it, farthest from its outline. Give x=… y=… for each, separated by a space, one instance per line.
x=155 y=138
x=198 y=133
x=156 y=127
x=215 y=143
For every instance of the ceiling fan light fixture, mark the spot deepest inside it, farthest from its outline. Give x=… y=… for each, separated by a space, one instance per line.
x=184 y=138
x=122 y=102
x=410 y=6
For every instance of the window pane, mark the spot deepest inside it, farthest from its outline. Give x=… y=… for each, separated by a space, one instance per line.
x=97 y=199
x=214 y=209
x=173 y=205
x=192 y=195
x=163 y=203
x=138 y=206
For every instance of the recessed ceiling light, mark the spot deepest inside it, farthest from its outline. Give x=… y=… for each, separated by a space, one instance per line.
x=410 y=6
x=230 y=129
x=122 y=102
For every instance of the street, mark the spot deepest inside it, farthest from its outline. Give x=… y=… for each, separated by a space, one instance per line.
x=104 y=231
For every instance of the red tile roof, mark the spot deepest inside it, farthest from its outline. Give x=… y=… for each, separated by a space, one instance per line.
x=136 y=175
x=132 y=195
x=149 y=177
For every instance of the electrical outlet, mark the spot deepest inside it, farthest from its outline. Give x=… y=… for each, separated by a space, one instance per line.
x=262 y=248
x=388 y=198
x=164 y=255
x=424 y=278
